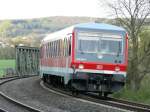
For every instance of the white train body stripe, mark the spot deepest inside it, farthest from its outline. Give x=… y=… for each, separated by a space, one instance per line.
x=62 y=71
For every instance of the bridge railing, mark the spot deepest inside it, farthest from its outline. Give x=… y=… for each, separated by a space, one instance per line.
x=27 y=60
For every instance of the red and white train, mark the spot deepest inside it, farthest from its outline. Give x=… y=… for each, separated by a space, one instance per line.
x=87 y=57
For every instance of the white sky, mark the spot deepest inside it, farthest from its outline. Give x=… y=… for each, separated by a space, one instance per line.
x=20 y=9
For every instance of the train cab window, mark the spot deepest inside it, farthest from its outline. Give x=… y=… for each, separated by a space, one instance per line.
x=88 y=44
x=99 y=43
x=109 y=45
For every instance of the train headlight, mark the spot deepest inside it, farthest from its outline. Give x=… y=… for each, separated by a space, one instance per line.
x=81 y=66
x=117 y=69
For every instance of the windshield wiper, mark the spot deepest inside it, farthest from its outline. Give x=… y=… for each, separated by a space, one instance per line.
x=119 y=49
x=81 y=51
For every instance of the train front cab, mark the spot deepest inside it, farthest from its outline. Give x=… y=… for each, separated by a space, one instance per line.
x=100 y=61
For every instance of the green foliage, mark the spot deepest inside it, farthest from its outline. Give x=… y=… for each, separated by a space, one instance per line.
x=7 y=63
x=7 y=53
x=142 y=95
x=10 y=63
x=4 y=26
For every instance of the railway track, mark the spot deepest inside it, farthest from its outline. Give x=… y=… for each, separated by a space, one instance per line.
x=3 y=110
x=27 y=107
x=118 y=103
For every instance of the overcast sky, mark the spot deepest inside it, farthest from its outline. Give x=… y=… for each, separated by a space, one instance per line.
x=20 y=9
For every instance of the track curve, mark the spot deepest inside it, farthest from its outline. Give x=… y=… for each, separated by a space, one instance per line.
x=8 y=79
x=123 y=104
x=30 y=92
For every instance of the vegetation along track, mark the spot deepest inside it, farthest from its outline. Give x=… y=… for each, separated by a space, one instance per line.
x=123 y=104
x=5 y=80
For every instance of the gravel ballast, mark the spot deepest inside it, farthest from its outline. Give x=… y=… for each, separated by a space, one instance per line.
x=30 y=92
x=10 y=107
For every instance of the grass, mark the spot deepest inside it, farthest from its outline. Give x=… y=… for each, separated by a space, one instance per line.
x=142 y=95
x=10 y=63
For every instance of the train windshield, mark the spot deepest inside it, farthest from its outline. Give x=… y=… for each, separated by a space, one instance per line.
x=99 y=43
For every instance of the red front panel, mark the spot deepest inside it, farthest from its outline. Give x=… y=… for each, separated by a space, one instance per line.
x=99 y=66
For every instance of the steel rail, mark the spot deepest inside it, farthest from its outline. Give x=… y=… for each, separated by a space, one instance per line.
x=123 y=104
x=3 y=110
x=32 y=109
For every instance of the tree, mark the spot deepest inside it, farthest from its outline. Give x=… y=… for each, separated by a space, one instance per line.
x=4 y=26
x=132 y=14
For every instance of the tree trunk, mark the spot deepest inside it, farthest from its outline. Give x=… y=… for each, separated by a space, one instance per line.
x=133 y=73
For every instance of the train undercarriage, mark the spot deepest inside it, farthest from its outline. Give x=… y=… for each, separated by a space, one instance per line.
x=103 y=84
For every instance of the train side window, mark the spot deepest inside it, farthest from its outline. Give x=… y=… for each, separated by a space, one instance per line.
x=63 y=47
x=55 y=49
x=44 y=51
x=48 y=50
x=70 y=46
x=52 y=49
x=58 y=48
x=41 y=52
x=66 y=47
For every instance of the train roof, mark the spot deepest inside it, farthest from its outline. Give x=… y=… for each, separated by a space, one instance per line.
x=99 y=26
x=90 y=26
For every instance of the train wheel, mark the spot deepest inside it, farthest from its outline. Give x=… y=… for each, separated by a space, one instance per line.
x=100 y=94
x=75 y=93
x=44 y=78
x=105 y=94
